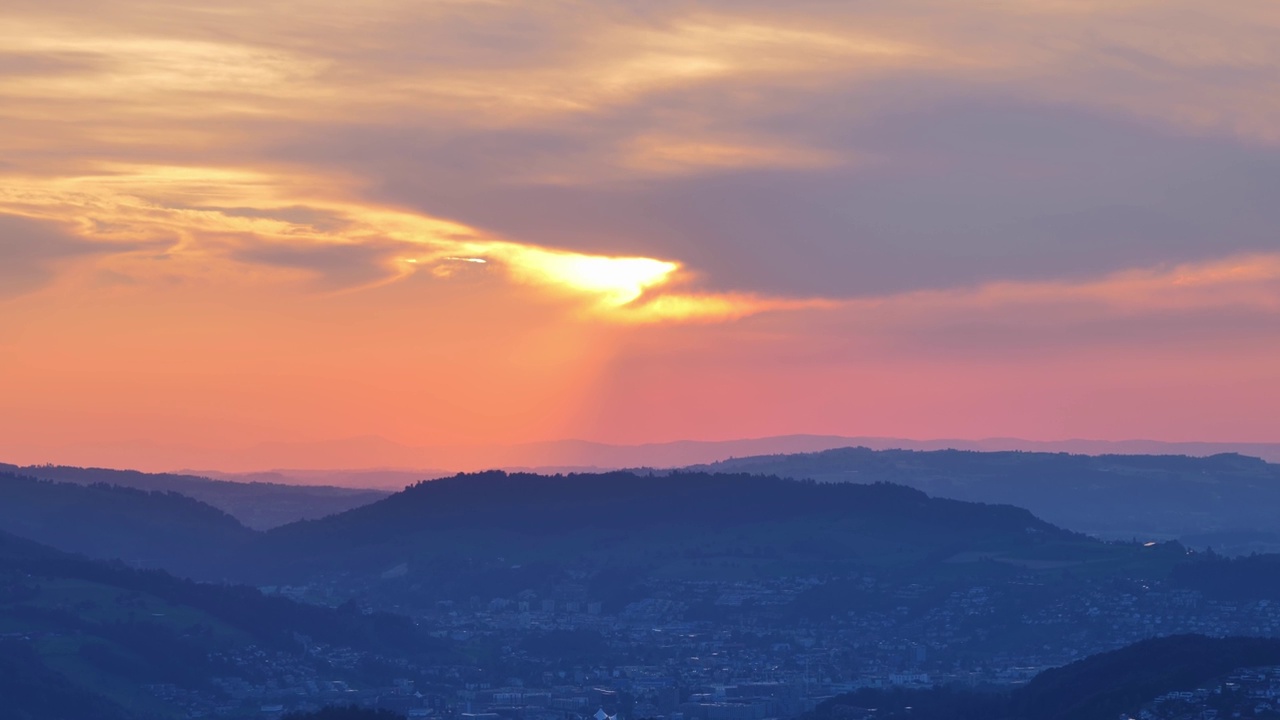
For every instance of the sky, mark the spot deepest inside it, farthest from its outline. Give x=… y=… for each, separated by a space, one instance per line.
x=487 y=222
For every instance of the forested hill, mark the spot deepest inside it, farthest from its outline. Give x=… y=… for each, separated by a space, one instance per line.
x=83 y=638
x=1121 y=496
x=1099 y=686
x=666 y=522
x=679 y=523
x=259 y=505
x=270 y=620
x=154 y=529
x=550 y=504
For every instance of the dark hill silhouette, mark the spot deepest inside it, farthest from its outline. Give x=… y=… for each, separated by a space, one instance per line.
x=541 y=504
x=259 y=505
x=1099 y=686
x=1114 y=496
x=151 y=529
x=669 y=522
x=1256 y=577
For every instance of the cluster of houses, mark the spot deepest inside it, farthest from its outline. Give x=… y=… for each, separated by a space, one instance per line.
x=719 y=650
x=1249 y=694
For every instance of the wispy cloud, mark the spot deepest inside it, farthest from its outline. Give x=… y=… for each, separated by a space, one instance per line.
x=220 y=218
x=32 y=251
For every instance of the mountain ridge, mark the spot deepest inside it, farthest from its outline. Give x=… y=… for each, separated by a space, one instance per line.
x=672 y=524
x=259 y=505
x=1115 y=496
x=357 y=454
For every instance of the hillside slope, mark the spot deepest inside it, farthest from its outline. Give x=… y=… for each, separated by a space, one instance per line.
x=90 y=636
x=1100 y=686
x=150 y=529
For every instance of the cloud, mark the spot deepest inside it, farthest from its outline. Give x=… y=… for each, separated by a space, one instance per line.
x=30 y=251
x=1215 y=306
x=226 y=225
x=43 y=63
x=334 y=266
x=946 y=195
x=825 y=150
x=675 y=155
x=811 y=199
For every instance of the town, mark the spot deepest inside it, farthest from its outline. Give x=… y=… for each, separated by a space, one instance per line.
x=707 y=650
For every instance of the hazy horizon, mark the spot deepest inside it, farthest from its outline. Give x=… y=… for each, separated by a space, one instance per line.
x=378 y=462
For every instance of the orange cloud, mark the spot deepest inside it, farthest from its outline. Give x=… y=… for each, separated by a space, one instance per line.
x=682 y=155
x=1248 y=281
x=216 y=219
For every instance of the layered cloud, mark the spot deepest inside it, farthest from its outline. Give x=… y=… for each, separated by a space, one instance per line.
x=32 y=252
x=167 y=222
x=899 y=180
x=822 y=148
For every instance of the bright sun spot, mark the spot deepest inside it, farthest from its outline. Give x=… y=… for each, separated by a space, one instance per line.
x=619 y=280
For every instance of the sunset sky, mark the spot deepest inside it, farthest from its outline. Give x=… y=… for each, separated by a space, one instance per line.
x=478 y=221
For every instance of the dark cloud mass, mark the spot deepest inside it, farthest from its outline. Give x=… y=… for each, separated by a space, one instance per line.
x=29 y=249
x=937 y=196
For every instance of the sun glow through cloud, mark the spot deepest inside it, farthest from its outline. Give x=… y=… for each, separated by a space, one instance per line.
x=617 y=280
x=214 y=216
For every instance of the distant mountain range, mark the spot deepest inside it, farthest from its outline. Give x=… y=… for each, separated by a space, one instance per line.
x=383 y=482
x=208 y=528
x=478 y=527
x=350 y=461
x=143 y=528
x=258 y=503
x=1225 y=501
